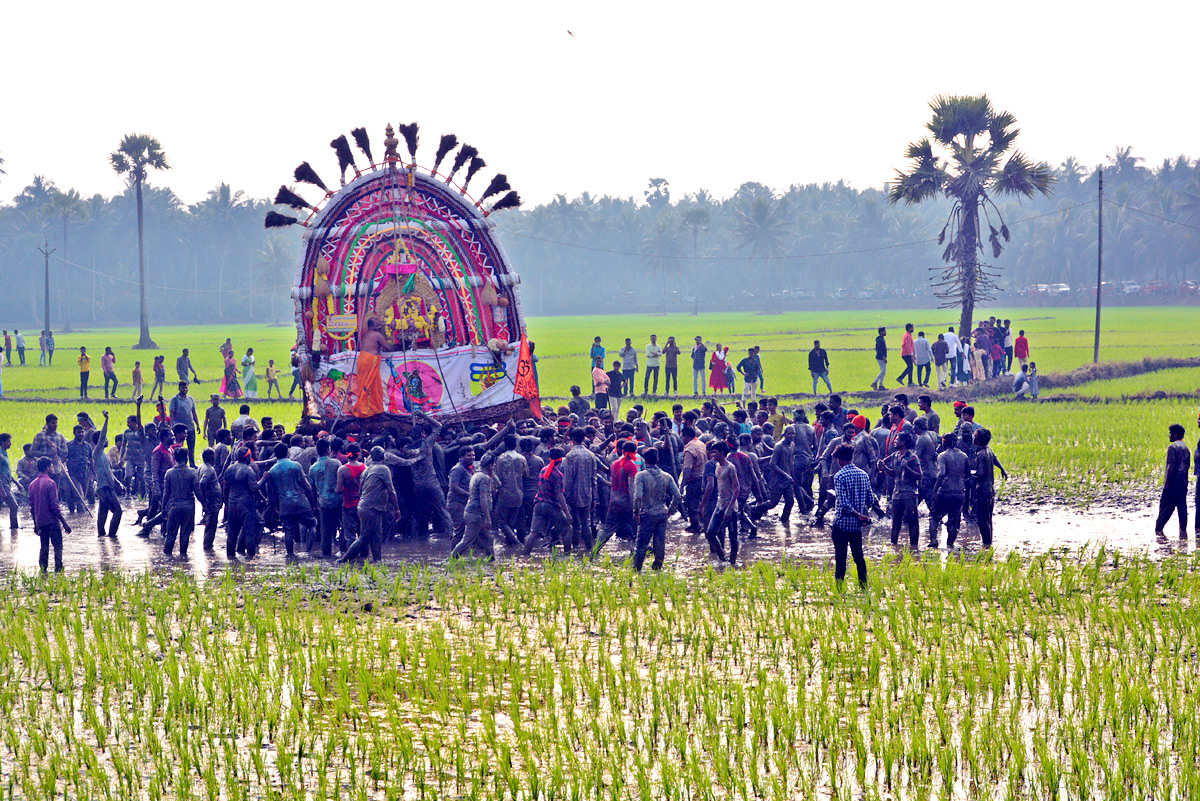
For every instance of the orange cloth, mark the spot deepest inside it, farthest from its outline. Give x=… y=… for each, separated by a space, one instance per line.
x=368 y=388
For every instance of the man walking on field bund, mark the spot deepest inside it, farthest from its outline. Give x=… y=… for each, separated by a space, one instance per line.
x=818 y=365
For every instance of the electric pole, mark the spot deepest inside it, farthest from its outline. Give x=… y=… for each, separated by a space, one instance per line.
x=1099 y=264
x=46 y=250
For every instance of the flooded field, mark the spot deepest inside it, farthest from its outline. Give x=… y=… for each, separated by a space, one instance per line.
x=1026 y=530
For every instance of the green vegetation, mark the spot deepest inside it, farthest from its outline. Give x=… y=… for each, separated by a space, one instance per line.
x=1075 y=451
x=1179 y=380
x=1022 y=679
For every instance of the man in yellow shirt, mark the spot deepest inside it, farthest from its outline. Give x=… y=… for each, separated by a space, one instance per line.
x=273 y=379
x=776 y=418
x=85 y=372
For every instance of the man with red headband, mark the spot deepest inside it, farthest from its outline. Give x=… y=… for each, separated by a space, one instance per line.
x=551 y=515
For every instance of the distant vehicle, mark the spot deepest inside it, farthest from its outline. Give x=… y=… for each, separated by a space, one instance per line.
x=1154 y=288
x=1130 y=287
x=1189 y=288
x=1039 y=289
x=1059 y=289
x=867 y=294
x=803 y=295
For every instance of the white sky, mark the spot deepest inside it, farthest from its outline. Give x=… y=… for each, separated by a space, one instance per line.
x=707 y=95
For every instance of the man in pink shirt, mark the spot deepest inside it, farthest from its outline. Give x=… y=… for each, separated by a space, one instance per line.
x=108 y=365
x=907 y=349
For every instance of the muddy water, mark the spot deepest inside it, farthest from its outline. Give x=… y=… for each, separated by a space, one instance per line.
x=1027 y=530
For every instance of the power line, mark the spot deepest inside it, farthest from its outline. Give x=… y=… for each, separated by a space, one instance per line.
x=771 y=258
x=1150 y=214
x=155 y=286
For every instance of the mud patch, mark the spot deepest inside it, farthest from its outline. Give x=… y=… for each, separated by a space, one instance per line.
x=1025 y=528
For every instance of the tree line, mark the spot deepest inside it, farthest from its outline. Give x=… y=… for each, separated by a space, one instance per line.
x=759 y=248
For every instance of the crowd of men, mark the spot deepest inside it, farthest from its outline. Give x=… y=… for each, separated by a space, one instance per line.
x=570 y=481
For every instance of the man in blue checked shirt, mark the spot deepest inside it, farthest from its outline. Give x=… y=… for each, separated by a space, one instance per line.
x=854 y=497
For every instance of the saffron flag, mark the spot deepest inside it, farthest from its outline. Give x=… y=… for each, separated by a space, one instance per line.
x=526 y=385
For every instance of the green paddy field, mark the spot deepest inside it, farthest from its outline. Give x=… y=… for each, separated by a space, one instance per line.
x=1082 y=442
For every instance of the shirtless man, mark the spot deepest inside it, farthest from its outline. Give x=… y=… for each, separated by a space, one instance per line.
x=368 y=388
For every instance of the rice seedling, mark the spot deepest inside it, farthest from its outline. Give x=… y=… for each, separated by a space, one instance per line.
x=1050 y=677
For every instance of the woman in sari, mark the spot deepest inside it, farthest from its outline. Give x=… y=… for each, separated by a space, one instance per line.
x=249 y=381
x=717 y=365
x=230 y=387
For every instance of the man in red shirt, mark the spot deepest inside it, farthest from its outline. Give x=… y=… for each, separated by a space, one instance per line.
x=1021 y=348
x=349 y=487
x=907 y=350
x=619 y=520
x=47 y=516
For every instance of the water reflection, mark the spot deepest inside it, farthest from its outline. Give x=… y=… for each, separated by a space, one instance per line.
x=1027 y=531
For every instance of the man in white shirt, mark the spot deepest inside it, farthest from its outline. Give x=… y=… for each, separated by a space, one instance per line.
x=653 y=358
x=955 y=355
x=923 y=355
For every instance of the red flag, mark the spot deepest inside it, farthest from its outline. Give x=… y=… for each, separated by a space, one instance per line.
x=526 y=385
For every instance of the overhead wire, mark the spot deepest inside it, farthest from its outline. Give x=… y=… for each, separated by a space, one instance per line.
x=135 y=282
x=824 y=254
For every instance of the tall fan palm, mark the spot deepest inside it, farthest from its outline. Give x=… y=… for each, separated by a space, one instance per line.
x=136 y=154
x=982 y=163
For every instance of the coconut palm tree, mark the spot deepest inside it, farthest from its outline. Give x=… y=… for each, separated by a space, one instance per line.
x=218 y=214
x=764 y=225
x=982 y=163
x=661 y=247
x=133 y=157
x=65 y=208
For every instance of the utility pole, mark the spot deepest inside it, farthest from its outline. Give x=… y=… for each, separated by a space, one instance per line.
x=46 y=250
x=1099 y=264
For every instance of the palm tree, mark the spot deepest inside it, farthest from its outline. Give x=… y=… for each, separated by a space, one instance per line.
x=217 y=214
x=982 y=163
x=661 y=246
x=276 y=261
x=66 y=206
x=135 y=154
x=764 y=224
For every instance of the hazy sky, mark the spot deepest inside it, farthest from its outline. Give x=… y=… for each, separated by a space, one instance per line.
x=705 y=95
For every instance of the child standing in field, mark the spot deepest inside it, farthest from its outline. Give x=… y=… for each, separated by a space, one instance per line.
x=273 y=379
x=136 y=380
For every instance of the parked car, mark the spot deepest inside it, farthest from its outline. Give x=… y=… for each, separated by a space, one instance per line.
x=1154 y=288
x=1060 y=289
x=1189 y=288
x=1130 y=288
x=1039 y=289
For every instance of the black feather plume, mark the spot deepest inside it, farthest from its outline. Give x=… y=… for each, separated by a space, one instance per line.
x=447 y=143
x=306 y=174
x=345 y=158
x=510 y=201
x=364 y=143
x=409 y=132
x=475 y=166
x=286 y=197
x=276 y=220
x=465 y=153
x=499 y=184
